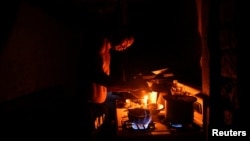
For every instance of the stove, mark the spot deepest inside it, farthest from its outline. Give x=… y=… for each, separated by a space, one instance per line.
x=157 y=128
x=134 y=127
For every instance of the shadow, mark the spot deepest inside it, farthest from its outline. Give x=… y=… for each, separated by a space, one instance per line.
x=45 y=112
x=8 y=13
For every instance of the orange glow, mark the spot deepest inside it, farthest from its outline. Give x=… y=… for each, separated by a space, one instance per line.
x=127 y=101
x=152 y=97
x=145 y=100
x=199 y=15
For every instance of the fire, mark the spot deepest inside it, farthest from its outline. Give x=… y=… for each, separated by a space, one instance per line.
x=152 y=97
x=144 y=126
x=149 y=98
x=145 y=101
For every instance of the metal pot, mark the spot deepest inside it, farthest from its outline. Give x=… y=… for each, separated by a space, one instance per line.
x=139 y=115
x=180 y=108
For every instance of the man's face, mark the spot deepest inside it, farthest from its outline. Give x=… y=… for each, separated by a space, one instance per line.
x=126 y=43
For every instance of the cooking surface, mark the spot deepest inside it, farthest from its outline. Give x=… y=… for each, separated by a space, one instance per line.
x=161 y=130
x=122 y=116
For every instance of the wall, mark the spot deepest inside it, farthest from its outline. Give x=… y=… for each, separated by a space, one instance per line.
x=226 y=110
x=229 y=43
x=167 y=37
x=219 y=32
x=37 y=54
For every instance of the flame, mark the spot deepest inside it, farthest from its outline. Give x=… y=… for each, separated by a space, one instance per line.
x=127 y=101
x=145 y=100
x=152 y=97
x=144 y=126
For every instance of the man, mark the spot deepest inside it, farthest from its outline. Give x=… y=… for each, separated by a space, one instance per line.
x=118 y=41
x=95 y=77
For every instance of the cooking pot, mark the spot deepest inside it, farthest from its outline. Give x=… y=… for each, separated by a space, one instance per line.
x=180 y=108
x=139 y=115
x=155 y=108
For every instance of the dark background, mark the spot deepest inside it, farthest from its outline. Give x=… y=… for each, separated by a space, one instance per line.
x=40 y=42
x=39 y=50
x=41 y=39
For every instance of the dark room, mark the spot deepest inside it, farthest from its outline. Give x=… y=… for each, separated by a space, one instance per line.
x=120 y=70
